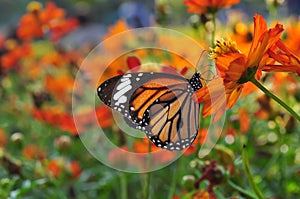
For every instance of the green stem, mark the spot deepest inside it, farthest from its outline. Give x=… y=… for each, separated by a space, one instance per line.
x=213 y=32
x=123 y=184
x=248 y=174
x=241 y=190
x=274 y=97
x=173 y=182
x=148 y=175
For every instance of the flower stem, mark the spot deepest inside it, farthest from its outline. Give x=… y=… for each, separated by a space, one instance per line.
x=213 y=32
x=274 y=97
x=148 y=175
x=123 y=184
x=173 y=182
x=248 y=174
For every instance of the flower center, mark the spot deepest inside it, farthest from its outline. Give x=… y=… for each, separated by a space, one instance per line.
x=224 y=47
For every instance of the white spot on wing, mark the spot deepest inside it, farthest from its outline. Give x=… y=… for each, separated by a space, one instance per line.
x=118 y=94
x=121 y=100
x=123 y=84
x=124 y=79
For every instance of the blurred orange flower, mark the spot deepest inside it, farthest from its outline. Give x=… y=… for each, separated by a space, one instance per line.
x=14 y=54
x=203 y=6
x=33 y=152
x=57 y=118
x=236 y=69
x=142 y=146
x=104 y=117
x=119 y=27
x=65 y=121
x=61 y=87
x=3 y=138
x=55 y=167
x=75 y=169
x=292 y=38
x=38 y=21
x=244 y=120
x=198 y=142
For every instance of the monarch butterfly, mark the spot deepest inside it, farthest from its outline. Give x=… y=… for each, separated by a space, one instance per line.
x=160 y=104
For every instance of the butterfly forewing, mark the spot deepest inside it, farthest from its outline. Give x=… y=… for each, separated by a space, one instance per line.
x=160 y=104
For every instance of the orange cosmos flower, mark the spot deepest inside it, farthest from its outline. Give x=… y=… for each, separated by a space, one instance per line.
x=39 y=21
x=203 y=6
x=267 y=53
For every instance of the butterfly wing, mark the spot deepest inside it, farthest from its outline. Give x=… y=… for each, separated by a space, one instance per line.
x=159 y=104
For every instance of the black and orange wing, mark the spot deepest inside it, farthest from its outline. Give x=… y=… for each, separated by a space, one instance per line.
x=159 y=104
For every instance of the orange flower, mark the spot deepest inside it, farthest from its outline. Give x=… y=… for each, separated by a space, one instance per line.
x=3 y=138
x=203 y=6
x=57 y=118
x=104 y=117
x=61 y=87
x=289 y=61
x=14 y=54
x=244 y=120
x=292 y=39
x=119 y=27
x=58 y=166
x=38 y=21
x=34 y=152
x=198 y=141
x=55 y=167
x=236 y=68
x=142 y=147
x=75 y=169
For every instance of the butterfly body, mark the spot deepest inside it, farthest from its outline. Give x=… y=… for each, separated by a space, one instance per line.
x=159 y=104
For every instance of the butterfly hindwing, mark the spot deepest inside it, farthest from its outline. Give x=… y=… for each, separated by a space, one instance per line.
x=159 y=104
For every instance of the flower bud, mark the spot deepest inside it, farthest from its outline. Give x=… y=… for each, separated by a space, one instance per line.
x=62 y=142
x=17 y=138
x=188 y=182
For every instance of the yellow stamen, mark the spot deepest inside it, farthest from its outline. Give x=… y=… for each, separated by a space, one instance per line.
x=34 y=6
x=224 y=47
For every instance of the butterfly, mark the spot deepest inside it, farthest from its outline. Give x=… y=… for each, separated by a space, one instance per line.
x=160 y=104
